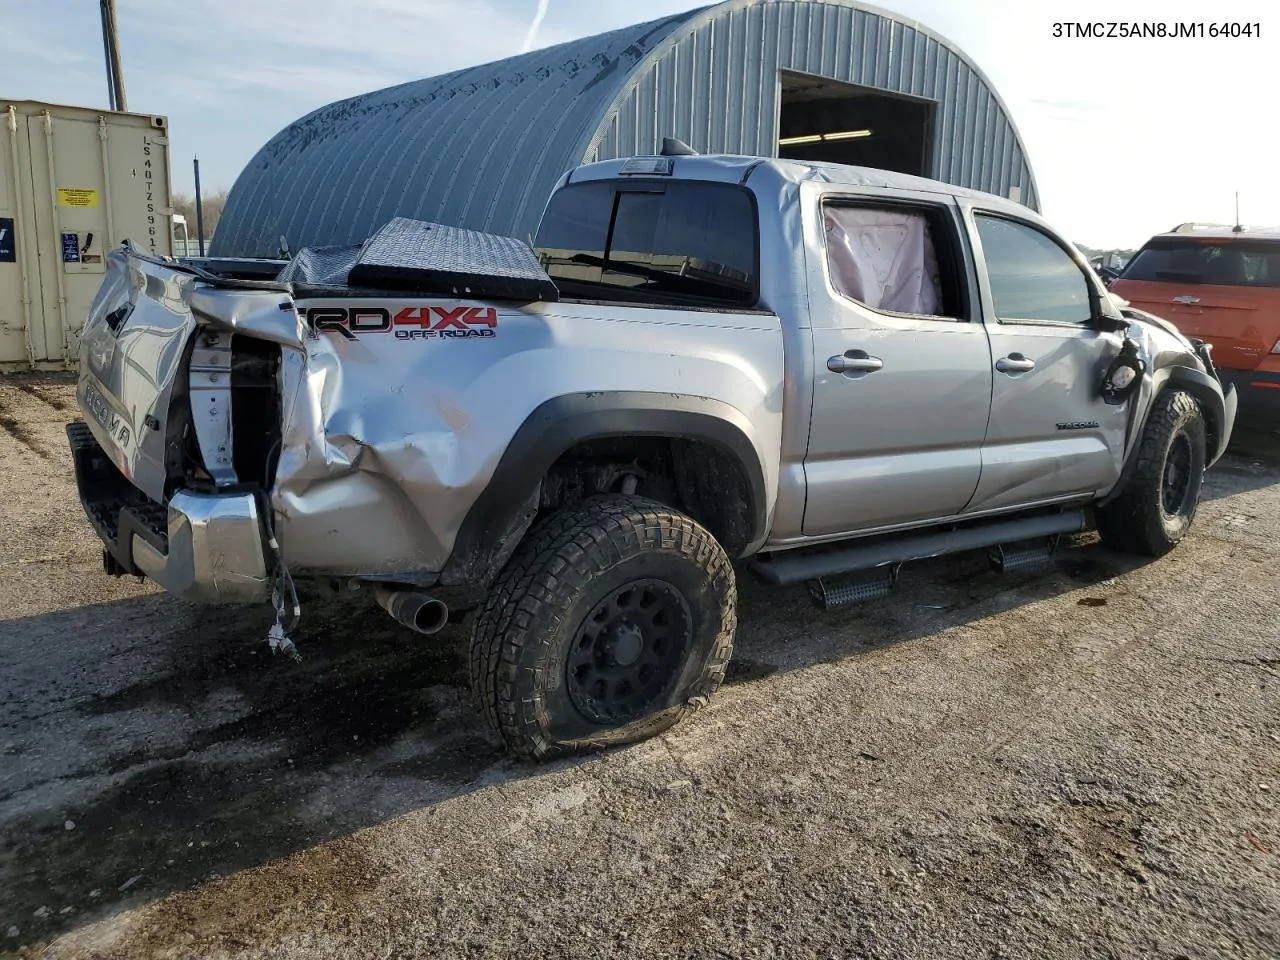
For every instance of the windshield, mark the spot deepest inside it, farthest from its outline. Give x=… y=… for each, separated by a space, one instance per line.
x=678 y=242
x=1232 y=263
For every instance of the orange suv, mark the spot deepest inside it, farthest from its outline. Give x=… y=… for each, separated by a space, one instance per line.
x=1220 y=285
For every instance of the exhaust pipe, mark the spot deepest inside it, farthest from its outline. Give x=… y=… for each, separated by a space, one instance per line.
x=417 y=611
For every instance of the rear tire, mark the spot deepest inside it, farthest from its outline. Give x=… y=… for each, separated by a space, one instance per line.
x=1155 y=509
x=613 y=620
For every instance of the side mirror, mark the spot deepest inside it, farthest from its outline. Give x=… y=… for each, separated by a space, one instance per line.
x=1110 y=324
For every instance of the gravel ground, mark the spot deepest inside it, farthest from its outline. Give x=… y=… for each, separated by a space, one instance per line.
x=1076 y=762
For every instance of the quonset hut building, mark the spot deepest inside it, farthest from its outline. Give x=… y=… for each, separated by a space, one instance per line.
x=831 y=80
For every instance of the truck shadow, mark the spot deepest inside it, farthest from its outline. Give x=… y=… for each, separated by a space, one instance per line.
x=196 y=753
x=931 y=596
x=1251 y=462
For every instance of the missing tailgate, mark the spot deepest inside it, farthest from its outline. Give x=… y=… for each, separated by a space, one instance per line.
x=255 y=409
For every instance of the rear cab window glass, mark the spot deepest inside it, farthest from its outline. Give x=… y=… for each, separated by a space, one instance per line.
x=1031 y=276
x=1231 y=263
x=893 y=258
x=681 y=242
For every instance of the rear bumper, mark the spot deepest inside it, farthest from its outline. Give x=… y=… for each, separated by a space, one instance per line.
x=207 y=548
x=1259 y=393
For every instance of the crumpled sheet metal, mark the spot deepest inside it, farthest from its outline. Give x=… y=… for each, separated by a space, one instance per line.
x=131 y=361
x=340 y=494
x=389 y=438
x=131 y=350
x=265 y=314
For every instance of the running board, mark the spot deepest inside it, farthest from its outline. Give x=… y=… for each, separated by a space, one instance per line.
x=814 y=566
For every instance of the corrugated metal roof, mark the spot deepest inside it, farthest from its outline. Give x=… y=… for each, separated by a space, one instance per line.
x=482 y=148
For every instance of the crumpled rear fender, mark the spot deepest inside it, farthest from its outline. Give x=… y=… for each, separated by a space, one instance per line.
x=397 y=412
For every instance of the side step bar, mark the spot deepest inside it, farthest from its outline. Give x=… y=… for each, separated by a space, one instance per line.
x=828 y=596
x=1008 y=557
x=813 y=566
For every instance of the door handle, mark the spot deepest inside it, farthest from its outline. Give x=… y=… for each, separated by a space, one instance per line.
x=854 y=362
x=1015 y=363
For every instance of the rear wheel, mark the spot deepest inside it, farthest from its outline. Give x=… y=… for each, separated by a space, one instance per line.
x=1155 y=509
x=613 y=620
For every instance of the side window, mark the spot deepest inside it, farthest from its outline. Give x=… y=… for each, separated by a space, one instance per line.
x=889 y=258
x=1032 y=278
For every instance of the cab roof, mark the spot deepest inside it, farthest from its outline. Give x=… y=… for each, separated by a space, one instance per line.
x=1219 y=231
x=729 y=168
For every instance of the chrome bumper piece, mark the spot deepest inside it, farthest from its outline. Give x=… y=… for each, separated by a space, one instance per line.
x=206 y=548
x=215 y=550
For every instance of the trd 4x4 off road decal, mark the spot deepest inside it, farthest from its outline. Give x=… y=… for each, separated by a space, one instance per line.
x=410 y=323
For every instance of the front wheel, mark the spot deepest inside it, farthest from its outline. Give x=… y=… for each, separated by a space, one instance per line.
x=613 y=620
x=1155 y=509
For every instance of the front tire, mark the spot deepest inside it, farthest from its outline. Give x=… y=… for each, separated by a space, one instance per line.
x=613 y=620
x=1155 y=509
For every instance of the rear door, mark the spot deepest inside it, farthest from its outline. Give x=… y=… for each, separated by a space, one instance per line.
x=1223 y=291
x=902 y=367
x=1050 y=435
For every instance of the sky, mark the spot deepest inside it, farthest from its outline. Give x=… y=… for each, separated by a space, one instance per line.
x=1126 y=136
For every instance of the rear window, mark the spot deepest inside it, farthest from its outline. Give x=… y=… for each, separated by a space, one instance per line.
x=1229 y=263
x=681 y=242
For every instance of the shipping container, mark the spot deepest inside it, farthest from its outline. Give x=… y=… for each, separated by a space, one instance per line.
x=74 y=182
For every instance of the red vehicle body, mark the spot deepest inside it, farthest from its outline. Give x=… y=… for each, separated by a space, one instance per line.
x=1220 y=285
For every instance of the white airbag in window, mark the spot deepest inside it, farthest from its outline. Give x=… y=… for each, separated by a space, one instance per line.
x=883 y=258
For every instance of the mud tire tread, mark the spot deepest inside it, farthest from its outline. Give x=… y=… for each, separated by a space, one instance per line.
x=1135 y=522
x=532 y=595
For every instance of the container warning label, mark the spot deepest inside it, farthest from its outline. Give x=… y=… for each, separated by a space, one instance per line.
x=77 y=197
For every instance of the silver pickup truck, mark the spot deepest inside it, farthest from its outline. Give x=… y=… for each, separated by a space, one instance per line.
x=827 y=370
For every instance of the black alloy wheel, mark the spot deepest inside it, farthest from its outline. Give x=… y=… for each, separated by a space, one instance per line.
x=628 y=651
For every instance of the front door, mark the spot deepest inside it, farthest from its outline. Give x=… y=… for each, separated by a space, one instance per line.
x=1051 y=436
x=902 y=367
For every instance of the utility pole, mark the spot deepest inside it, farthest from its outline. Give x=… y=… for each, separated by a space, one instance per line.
x=199 y=209
x=111 y=50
